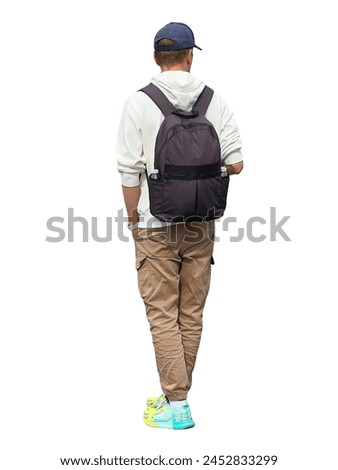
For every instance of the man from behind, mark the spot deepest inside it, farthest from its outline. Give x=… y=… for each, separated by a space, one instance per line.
x=173 y=260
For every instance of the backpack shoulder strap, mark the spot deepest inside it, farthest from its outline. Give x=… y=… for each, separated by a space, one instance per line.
x=159 y=98
x=203 y=101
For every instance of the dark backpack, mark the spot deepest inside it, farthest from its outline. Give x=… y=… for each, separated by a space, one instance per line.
x=187 y=183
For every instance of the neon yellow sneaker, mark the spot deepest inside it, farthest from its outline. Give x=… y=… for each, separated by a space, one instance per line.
x=165 y=417
x=155 y=402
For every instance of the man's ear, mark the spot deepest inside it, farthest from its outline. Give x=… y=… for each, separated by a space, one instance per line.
x=155 y=58
x=190 y=56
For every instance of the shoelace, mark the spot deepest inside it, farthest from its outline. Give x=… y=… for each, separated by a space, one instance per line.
x=161 y=403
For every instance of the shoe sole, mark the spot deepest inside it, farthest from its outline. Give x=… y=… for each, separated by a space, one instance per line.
x=180 y=427
x=162 y=425
x=171 y=425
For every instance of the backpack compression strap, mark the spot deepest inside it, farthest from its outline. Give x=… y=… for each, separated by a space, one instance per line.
x=159 y=98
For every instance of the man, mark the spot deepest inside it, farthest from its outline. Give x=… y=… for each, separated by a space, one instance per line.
x=173 y=261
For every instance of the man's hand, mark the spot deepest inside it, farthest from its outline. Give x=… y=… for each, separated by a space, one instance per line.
x=235 y=168
x=135 y=233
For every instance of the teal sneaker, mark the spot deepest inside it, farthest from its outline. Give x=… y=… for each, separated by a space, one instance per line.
x=182 y=418
x=165 y=417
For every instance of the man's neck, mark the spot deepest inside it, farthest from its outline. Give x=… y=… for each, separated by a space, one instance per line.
x=175 y=68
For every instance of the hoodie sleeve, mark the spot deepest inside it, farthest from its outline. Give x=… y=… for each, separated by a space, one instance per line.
x=129 y=150
x=230 y=140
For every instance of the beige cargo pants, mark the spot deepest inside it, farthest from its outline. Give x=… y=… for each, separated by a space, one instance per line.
x=173 y=265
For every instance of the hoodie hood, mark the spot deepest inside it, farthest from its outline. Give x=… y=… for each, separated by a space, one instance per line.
x=181 y=88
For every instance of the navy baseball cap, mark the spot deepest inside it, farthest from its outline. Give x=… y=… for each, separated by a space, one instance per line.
x=179 y=33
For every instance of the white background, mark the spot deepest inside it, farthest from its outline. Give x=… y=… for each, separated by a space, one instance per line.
x=76 y=356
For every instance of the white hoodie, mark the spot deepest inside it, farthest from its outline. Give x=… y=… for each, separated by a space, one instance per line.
x=141 y=120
